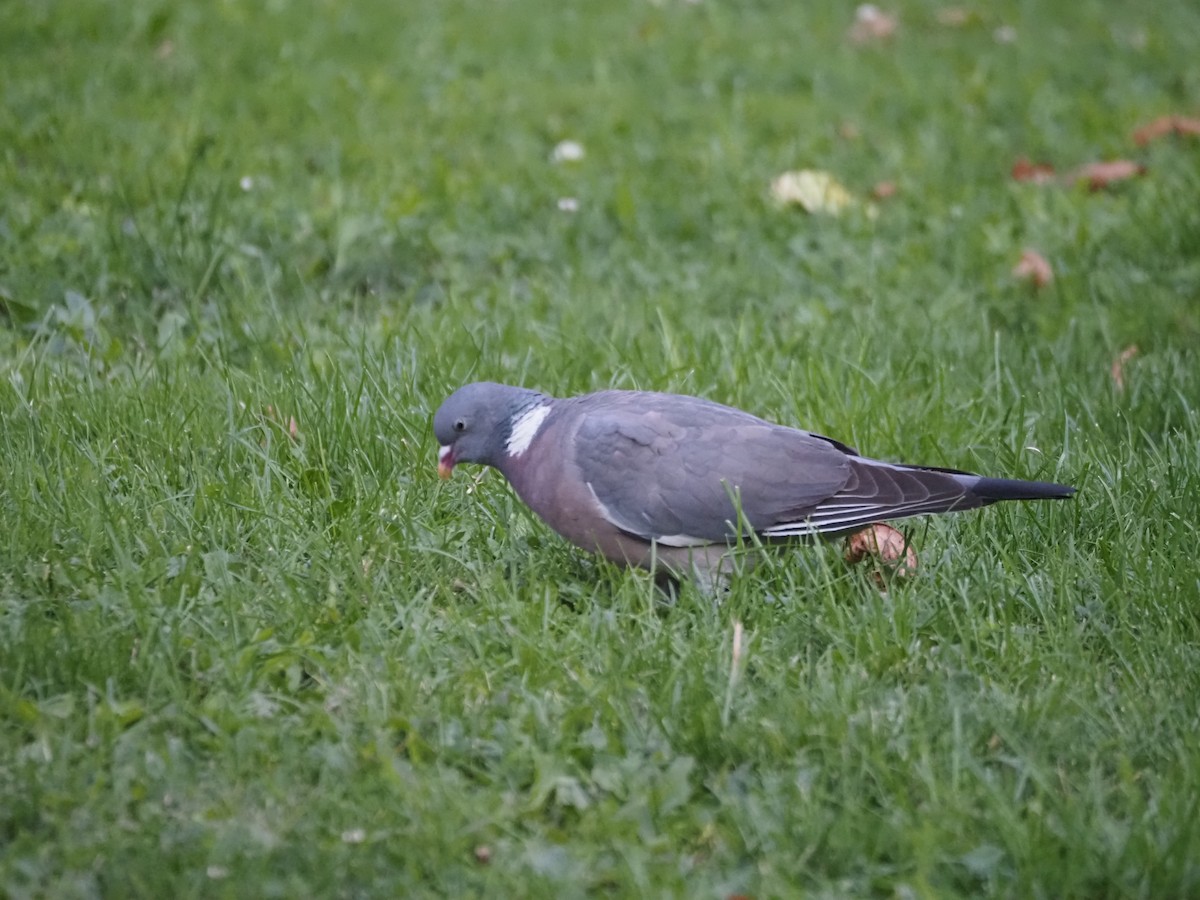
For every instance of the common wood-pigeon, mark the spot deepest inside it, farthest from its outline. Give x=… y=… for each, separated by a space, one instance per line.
x=664 y=480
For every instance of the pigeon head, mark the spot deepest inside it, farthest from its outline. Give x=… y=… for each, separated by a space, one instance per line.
x=475 y=423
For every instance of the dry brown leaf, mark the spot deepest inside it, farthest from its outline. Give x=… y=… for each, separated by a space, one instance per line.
x=955 y=16
x=1032 y=267
x=883 y=190
x=1099 y=175
x=848 y=131
x=1118 y=366
x=1005 y=34
x=1164 y=125
x=1038 y=173
x=1152 y=131
x=291 y=428
x=885 y=544
x=872 y=24
x=1137 y=38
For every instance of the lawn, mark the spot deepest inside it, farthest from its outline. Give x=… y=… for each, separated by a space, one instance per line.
x=251 y=646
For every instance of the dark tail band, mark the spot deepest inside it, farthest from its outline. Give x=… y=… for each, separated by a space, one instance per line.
x=991 y=489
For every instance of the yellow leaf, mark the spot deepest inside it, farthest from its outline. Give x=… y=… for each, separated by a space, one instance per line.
x=812 y=190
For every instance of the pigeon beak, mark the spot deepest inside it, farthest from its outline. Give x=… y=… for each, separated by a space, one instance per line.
x=445 y=461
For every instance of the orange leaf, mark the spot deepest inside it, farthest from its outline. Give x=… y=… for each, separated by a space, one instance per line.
x=1038 y=173
x=1100 y=175
x=1032 y=267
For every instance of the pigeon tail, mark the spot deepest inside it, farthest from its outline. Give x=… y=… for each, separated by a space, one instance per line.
x=991 y=490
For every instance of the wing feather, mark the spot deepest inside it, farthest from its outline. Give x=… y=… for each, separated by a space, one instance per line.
x=681 y=468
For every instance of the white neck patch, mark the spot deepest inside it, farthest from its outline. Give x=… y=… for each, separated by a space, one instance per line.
x=525 y=429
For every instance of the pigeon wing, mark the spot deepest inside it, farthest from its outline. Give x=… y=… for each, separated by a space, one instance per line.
x=679 y=472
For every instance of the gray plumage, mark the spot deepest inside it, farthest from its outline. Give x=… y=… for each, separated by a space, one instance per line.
x=659 y=479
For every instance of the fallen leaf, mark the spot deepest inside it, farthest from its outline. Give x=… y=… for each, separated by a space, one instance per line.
x=1118 y=366
x=1152 y=131
x=813 y=191
x=291 y=428
x=848 y=131
x=1137 y=38
x=872 y=24
x=884 y=543
x=1100 y=175
x=1038 y=173
x=883 y=190
x=955 y=16
x=1164 y=125
x=1032 y=267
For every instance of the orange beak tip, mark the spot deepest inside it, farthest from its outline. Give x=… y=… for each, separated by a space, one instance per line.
x=445 y=470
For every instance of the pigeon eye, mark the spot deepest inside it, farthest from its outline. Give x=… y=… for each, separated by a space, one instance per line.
x=460 y=425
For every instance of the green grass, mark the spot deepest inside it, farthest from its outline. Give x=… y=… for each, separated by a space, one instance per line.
x=237 y=661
